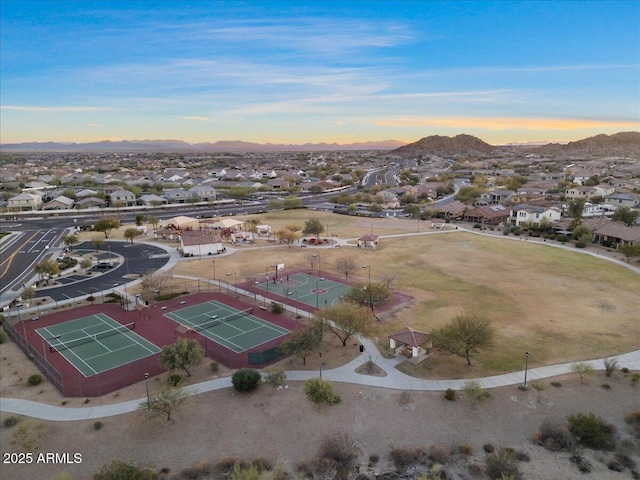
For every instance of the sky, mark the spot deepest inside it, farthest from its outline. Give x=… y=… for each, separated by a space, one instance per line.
x=309 y=71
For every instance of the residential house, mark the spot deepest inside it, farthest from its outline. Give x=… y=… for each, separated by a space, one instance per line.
x=453 y=211
x=177 y=195
x=59 y=203
x=495 y=197
x=487 y=214
x=278 y=184
x=616 y=234
x=204 y=193
x=122 y=198
x=529 y=214
x=152 y=199
x=629 y=200
x=90 y=202
x=24 y=202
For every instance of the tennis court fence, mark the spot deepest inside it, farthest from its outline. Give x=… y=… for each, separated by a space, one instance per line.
x=74 y=383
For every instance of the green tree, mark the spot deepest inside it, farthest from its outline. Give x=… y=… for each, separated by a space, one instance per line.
x=97 y=242
x=592 y=431
x=465 y=336
x=140 y=218
x=346 y=319
x=153 y=220
x=291 y=202
x=301 y=343
x=69 y=193
x=165 y=402
x=119 y=470
x=131 y=233
x=238 y=192
x=346 y=265
x=630 y=251
x=70 y=240
x=313 y=226
x=183 y=354
x=315 y=189
x=368 y=295
x=28 y=293
x=576 y=209
x=469 y=194
x=106 y=225
x=289 y=234
x=625 y=215
x=46 y=269
x=583 y=370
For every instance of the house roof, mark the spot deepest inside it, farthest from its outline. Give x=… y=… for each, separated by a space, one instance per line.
x=368 y=238
x=621 y=231
x=199 y=238
x=410 y=337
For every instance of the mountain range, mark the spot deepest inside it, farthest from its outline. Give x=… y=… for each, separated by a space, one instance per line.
x=624 y=144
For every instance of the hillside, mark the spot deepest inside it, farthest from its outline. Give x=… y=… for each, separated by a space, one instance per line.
x=445 y=146
x=623 y=144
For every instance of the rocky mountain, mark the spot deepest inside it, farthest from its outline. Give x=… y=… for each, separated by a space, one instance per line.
x=445 y=146
x=623 y=144
x=180 y=146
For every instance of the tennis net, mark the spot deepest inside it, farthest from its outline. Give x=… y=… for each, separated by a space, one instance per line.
x=228 y=318
x=65 y=345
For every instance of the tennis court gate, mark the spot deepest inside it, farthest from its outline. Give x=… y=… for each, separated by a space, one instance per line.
x=259 y=356
x=76 y=384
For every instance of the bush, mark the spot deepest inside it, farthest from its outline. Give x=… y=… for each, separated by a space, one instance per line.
x=624 y=370
x=97 y=425
x=174 y=380
x=3 y=337
x=245 y=379
x=35 y=379
x=214 y=367
x=488 y=448
x=262 y=464
x=474 y=391
x=582 y=463
x=592 y=431
x=277 y=308
x=404 y=458
x=10 y=421
x=502 y=464
x=342 y=450
x=450 y=394
x=556 y=384
x=465 y=449
x=610 y=366
x=562 y=238
x=633 y=419
x=319 y=391
x=553 y=437
x=439 y=454
x=580 y=244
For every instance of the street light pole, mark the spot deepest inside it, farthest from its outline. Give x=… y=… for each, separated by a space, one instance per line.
x=318 y=292
x=320 y=354
x=318 y=256
x=369 y=268
x=146 y=381
x=235 y=281
x=526 y=367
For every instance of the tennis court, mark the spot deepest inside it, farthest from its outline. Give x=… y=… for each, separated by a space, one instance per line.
x=95 y=343
x=317 y=292
x=237 y=330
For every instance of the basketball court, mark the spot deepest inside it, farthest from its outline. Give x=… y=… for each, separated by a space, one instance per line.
x=317 y=292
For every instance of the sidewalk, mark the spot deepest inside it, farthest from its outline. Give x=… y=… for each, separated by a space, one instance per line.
x=344 y=374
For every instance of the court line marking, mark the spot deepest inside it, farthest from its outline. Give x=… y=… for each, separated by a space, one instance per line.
x=69 y=350
x=126 y=333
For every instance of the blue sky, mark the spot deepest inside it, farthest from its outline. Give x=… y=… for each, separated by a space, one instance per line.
x=300 y=71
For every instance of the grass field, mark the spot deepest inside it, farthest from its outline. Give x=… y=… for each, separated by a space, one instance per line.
x=558 y=305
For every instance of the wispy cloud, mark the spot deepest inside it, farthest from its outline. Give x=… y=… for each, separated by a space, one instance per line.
x=196 y=118
x=92 y=125
x=506 y=123
x=60 y=109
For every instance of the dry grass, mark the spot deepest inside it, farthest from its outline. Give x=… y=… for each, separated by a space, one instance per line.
x=559 y=305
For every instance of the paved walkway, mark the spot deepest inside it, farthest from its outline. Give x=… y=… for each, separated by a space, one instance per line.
x=344 y=374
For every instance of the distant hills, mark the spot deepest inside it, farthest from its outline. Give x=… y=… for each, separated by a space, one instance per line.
x=180 y=146
x=624 y=144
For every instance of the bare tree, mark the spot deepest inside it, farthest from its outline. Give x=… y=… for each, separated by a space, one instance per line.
x=346 y=265
x=388 y=278
x=464 y=336
x=165 y=402
x=346 y=319
x=312 y=260
x=154 y=282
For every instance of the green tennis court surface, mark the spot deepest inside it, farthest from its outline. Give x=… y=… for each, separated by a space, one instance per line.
x=317 y=292
x=95 y=343
x=234 y=329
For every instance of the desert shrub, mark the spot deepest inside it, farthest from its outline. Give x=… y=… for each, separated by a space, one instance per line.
x=502 y=464
x=262 y=463
x=319 y=391
x=404 y=458
x=592 y=431
x=35 y=379
x=474 y=391
x=562 y=238
x=342 y=450
x=214 y=367
x=556 y=384
x=624 y=370
x=226 y=463
x=3 y=337
x=522 y=456
x=277 y=308
x=373 y=459
x=635 y=378
x=174 y=380
x=280 y=473
x=119 y=469
x=633 y=419
x=465 y=449
x=610 y=366
x=10 y=421
x=245 y=379
x=582 y=463
x=450 y=394
x=606 y=386
x=439 y=454
x=477 y=225
x=97 y=425
x=488 y=448
x=581 y=244
x=249 y=472
x=553 y=437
